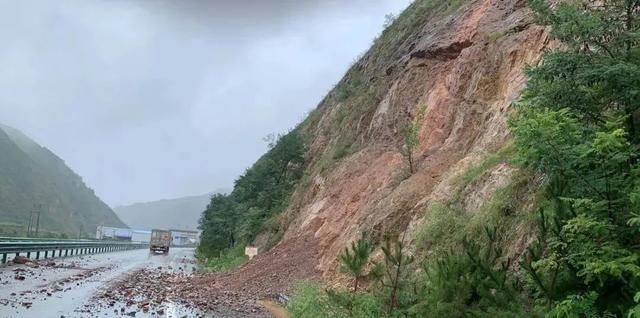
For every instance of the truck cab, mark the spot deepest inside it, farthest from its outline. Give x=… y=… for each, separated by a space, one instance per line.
x=160 y=241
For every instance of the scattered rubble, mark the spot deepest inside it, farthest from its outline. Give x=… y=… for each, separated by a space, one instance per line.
x=150 y=291
x=175 y=287
x=237 y=294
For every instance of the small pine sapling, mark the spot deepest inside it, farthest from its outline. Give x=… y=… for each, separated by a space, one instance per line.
x=396 y=263
x=354 y=259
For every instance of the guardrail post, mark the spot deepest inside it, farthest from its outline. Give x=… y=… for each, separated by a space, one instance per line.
x=4 y=258
x=37 y=254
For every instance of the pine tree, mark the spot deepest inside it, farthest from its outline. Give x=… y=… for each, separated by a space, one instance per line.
x=355 y=259
x=396 y=264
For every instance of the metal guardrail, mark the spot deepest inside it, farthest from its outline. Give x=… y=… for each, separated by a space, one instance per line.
x=68 y=247
x=31 y=239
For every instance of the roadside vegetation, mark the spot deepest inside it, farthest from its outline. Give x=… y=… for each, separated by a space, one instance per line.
x=576 y=125
x=227 y=260
x=231 y=221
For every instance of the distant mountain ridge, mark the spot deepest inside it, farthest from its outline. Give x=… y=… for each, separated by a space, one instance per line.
x=34 y=178
x=180 y=213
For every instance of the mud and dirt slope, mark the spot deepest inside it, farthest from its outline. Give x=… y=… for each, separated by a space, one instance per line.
x=454 y=67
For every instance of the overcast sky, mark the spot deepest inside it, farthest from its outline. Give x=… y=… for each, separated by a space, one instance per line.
x=152 y=99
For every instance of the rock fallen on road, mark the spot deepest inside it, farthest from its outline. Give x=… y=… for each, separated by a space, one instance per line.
x=151 y=290
x=21 y=260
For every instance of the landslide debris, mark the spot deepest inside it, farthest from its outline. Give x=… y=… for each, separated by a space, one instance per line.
x=153 y=291
x=236 y=294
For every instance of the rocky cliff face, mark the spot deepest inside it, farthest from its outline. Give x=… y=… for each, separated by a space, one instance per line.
x=455 y=67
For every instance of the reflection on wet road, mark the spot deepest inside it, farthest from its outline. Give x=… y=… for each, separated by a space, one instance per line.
x=67 y=287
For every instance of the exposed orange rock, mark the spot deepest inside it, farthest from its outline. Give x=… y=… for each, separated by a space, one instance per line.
x=465 y=70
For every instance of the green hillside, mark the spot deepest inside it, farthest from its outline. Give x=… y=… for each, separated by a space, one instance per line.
x=34 y=178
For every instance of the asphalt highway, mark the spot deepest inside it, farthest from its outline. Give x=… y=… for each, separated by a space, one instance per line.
x=67 y=287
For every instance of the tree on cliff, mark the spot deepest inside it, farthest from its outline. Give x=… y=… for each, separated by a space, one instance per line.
x=410 y=133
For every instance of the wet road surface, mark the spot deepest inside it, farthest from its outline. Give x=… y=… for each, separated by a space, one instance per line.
x=66 y=287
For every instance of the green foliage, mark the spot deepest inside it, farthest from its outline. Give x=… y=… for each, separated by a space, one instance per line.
x=355 y=259
x=576 y=125
x=259 y=195
x=577 y=306
x=229 y=259
x=312 y=301
x=598 y=72
x=472 y=283
x=446 y=224
x=392 y=295
x=486 y=164
x=396 y=280
x=635 y=311
x=218 y=223
x=443 y=229
x=412 y=139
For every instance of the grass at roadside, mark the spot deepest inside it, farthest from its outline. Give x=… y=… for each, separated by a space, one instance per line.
x=228 y=260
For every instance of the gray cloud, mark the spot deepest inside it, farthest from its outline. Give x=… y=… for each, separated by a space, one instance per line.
x=148 y=99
